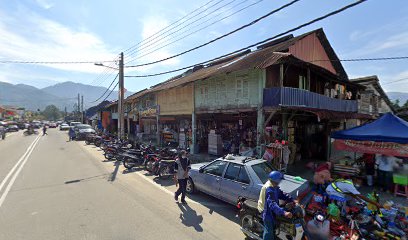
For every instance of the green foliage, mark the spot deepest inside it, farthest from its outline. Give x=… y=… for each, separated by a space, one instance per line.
x=396 y=104
x=51 y=112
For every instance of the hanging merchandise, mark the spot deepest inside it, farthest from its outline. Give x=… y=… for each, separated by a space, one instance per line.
x=281 y=153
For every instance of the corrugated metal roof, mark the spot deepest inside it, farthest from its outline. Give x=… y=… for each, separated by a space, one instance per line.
x=266 y=55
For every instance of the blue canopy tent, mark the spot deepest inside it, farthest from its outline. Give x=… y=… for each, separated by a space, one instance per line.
x=387 y=135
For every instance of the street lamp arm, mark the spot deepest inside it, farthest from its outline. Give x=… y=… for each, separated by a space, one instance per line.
x=102 y=65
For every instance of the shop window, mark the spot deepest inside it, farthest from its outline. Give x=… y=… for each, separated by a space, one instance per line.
x=303 y=83
x=245 y=88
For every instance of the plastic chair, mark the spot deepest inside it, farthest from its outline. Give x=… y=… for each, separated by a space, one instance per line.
x=400 y=181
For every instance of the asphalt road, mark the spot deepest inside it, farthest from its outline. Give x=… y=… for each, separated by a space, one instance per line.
x=54 y=189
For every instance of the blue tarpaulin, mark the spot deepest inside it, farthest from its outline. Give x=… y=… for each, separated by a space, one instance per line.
x=388 y=128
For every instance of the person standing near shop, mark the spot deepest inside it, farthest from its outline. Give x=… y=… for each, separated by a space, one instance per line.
x=385 y=166
x=181 y=168
x=369 y=162
x=268 y=155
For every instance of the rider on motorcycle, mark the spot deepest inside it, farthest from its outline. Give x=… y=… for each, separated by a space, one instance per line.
x=269 y=198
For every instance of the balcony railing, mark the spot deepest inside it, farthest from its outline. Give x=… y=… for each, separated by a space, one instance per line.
x=294 y=97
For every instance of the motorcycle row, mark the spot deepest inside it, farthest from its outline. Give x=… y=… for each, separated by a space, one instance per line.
x=359 y=222
x=157 y=161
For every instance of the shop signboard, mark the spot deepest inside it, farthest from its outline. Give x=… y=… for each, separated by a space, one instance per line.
x=386 y=148
x=150 y=111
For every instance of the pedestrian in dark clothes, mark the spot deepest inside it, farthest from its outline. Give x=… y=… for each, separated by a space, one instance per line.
x=45 y=130
x=181 y=168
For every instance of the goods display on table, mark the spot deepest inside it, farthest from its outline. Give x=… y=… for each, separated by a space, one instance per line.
x=357 y=220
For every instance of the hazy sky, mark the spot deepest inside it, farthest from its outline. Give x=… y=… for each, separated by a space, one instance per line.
x=79 y=30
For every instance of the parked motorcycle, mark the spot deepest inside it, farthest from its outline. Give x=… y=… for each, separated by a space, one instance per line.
x=136 y=157
x=30 y=132
x=286 y=229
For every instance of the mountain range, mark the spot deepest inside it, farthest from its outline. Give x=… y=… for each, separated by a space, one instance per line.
x=61 y=95
x=402 y=96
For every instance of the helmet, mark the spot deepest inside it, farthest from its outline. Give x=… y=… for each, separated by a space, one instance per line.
x=276 y=176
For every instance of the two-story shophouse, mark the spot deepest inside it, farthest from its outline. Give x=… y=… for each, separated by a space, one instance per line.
x=292 y=88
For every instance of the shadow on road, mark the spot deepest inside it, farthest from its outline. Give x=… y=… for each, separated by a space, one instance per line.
x=135 y=169
x=164 y=182
x=215 y=205
x=190 y=218
x=113 y=175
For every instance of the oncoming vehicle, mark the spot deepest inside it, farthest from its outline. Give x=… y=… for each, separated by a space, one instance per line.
x=64 y=127
x=13 y=128
x=73 y=124
x=52 y=125
x=81 y=130
x=229 y=179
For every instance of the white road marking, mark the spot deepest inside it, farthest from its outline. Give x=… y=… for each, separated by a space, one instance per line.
x=3 y=197
x=16 y=165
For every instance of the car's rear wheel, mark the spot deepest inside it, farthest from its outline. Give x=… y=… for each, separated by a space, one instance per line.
x=190 y=188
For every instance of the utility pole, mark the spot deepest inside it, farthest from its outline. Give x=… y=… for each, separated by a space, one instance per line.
x=121 y=120
x=82 y=108
x=78 y=108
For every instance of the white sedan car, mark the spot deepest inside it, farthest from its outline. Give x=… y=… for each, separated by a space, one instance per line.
x=64 y=127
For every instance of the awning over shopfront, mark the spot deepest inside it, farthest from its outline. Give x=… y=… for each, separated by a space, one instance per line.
x=328 y=114
x=387 y=135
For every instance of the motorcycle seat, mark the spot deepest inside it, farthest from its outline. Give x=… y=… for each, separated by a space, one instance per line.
x=167 y=158
x=251 y=204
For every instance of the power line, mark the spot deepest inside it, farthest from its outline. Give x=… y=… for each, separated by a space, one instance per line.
x=111 y=91
x=258 y=43
x=197 y=20
x=107 y=89
x=395 y=81
x=222 y=36
x=175 y=23
x=200 y=29
x=50 y=62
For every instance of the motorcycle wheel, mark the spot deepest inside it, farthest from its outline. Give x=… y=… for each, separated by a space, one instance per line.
x=247 y=222
x=165 y=172
x=25 y=133
x=108 y=156
x=128 y=163
x=87 y=142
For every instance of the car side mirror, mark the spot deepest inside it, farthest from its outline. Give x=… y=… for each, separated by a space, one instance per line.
x=201 y=170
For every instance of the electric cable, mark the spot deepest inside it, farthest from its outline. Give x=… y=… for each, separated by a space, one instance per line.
x=107 y=89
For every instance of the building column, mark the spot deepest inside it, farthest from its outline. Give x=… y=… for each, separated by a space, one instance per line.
x=193 y=133
x=128 y=126
x=193 y=125
x=158 y=130
x=285 y=125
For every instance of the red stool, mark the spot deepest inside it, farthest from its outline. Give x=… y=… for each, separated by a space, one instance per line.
x=400 y=181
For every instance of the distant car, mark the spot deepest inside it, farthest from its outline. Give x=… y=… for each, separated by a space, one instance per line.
x=12 y=128
x=242 y=177
x=21 y=126
x=64 y=127
x=81 y=130
x=52 y=125
x=73 y=124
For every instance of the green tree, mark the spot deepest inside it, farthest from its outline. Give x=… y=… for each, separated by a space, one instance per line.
x=396 y=104
x=51 y=112
x=405 y=104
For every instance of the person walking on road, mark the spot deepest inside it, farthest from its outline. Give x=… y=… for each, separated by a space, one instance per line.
x=181 y=168
x=71 y=134
x=45 y=130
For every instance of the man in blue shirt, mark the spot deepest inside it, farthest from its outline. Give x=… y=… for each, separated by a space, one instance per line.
x=271 y=209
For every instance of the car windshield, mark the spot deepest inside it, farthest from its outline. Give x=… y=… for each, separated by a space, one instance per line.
x=262 y=170
x=83 y=126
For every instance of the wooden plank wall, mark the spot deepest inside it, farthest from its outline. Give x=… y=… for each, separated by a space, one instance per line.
x=235 y=90
x=176 y=101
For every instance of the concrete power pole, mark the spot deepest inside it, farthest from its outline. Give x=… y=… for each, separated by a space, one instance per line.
x=82 y=108
x=121 y=120
x=78 y=108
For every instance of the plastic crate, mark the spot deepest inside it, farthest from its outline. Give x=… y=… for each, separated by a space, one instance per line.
x=400 y=179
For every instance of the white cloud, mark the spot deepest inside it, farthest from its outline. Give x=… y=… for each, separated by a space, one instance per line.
x=152 y=25
x=45 y=4
x=35 y=38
